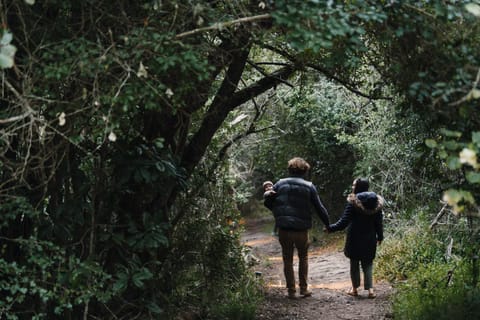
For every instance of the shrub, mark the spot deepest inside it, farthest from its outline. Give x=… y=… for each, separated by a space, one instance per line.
x=438 y=291
x=406 y=251
x=240 y=302
x=431 y=284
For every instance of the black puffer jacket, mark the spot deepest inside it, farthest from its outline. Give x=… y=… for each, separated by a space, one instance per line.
x=363 y=215
x=293 y=203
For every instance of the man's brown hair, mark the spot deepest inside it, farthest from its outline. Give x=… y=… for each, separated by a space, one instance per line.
x=298 y=166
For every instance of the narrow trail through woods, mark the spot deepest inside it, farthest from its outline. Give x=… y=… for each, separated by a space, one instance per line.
x=328 y=279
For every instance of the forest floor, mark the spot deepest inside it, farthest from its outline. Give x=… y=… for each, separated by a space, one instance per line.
x=328 y=278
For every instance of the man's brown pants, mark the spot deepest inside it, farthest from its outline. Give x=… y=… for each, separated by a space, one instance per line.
x=290 y=240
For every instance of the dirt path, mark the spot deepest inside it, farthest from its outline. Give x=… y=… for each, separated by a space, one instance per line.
x=329 y=279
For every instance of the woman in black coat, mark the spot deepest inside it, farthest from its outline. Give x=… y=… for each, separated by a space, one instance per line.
x=364 y=218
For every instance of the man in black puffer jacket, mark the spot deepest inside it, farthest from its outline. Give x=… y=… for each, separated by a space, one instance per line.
x=292 y=204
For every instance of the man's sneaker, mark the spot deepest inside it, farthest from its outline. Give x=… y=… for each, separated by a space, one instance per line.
x=305 y=293
x=291 y=295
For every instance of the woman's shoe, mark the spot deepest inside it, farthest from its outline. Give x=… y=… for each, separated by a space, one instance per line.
x=353 y=292
x=306 y=293
x=371 y=294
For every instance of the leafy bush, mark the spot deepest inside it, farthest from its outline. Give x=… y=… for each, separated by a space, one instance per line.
x=240 y=302
x=37 y=276
x=429 y=294
x=408 y=249
x=433 y=270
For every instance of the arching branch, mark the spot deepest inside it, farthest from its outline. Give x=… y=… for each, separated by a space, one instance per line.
x=223 y=25
x=344 y=82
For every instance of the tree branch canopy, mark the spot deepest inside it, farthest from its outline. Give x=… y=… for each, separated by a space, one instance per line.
x=220 y=108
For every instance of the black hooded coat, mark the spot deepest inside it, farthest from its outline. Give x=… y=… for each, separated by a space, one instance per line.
x=364 y=218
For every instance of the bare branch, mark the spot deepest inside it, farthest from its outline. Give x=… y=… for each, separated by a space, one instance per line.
x=223 y=25
x=25 y=104
x=344 y=82
x=264 y=73
x=471 y=94
x=15 y=118
x=439 y=216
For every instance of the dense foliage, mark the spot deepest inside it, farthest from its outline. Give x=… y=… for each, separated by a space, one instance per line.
x=116 y=196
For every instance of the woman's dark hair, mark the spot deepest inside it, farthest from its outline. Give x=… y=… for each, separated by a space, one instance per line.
x=361 y=185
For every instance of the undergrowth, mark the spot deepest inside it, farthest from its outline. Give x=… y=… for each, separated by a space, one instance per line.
x=434 y=270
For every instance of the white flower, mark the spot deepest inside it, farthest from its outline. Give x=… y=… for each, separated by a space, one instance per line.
x=112 y=136
x=169 y=92
x=61 y=119
x=468 y=156
x=142 y=71
x=473 y=8
x=7 y=51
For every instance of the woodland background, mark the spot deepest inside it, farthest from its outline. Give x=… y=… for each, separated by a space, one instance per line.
x=134 y=134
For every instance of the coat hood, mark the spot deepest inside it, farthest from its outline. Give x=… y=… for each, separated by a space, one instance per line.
x=368 y=202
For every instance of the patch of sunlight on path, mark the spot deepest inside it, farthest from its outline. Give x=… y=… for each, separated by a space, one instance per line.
x=328 y=268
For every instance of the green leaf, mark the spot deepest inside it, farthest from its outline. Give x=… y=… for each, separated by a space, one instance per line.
x=454 y=163
x=451 y=145
x=473 y=177
x=141 y=276
x=7 y=37
x=154 y=308
x=7 y=51
x=476 y=138
x=159 y=143
x=145 y=175
x=6 y=56
x=121 y=283
x=450 y=133
x=431 y=143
